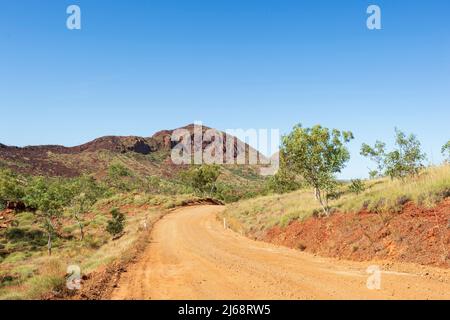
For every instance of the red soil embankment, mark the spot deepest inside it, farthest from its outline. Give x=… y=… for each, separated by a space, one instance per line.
x=415 y=234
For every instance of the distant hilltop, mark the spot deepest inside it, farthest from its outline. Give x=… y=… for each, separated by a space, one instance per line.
x=149 y=156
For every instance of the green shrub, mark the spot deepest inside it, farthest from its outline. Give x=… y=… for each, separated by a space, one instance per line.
x=202 y=178
x=11 y=187
x=405 y=160
x=122 y=179
x=283 y=182
x=117 y=170
x=357 y=186
x=33 y=236
x=446 y=151
x=117 y=223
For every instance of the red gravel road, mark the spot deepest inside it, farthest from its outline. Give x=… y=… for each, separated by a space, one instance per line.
x=192 y=256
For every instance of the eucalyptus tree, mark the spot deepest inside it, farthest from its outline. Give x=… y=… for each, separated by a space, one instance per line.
x=317 y=154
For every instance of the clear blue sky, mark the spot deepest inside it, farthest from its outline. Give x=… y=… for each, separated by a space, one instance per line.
x=140 y=66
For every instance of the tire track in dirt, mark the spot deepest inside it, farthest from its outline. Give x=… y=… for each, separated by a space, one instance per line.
x=191 y=256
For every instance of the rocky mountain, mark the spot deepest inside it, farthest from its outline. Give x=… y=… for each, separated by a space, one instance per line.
x=146 y=156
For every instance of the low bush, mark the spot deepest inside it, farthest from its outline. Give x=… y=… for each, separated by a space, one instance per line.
x=357 y=186
x=117 y=224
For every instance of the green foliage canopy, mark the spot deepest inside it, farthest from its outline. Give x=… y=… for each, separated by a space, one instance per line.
x=317 y=154
x=48 y=197
x=202 y=179
x=446 y=151
x=11 y=187
x=405 y=160
x=117 y=224
x=357 y=186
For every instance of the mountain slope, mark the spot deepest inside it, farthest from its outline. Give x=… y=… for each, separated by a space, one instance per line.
x=144 y=156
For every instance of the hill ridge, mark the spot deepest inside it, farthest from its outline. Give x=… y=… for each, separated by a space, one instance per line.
x=95 y=156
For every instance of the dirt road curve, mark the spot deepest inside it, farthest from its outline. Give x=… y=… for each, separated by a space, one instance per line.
x=192 y=256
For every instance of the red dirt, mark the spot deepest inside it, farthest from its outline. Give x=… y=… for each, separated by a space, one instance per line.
x=416 y=235
x=99 y=284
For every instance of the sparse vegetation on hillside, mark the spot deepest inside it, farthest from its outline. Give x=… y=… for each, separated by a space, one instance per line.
x=427 y=189
x=26 y=270
x=70 y=217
